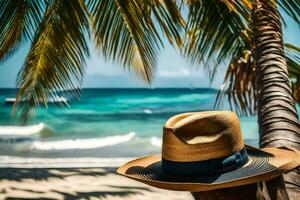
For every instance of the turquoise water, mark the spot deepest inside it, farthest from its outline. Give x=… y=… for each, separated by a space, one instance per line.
x=111 y=122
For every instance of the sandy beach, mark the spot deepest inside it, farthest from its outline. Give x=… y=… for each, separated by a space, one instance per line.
x=77 y=183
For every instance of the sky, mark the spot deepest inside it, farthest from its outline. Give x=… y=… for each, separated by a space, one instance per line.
x=172 y=69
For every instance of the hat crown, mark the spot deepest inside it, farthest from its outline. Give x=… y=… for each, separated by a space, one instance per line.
x=200 y=136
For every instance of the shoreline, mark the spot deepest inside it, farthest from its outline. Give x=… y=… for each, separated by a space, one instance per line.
x=77 y=183
x=81 y=162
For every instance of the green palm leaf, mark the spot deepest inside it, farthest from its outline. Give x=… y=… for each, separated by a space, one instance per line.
x=215 y=32
x=291 y=8
x=19 y=19
x=56 y=58
x=125 y=31
x=221 y=30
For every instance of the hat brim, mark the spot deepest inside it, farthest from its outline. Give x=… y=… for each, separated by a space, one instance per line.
x=263 y=164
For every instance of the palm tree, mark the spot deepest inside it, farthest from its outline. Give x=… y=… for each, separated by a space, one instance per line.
x=277 y=115
x=218 y=30
x=126 y=31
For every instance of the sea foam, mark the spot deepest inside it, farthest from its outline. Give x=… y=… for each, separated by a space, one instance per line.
x=157 y=142
x=16 y=134
x=148 y=111
x=17 y=131
x=90 y=143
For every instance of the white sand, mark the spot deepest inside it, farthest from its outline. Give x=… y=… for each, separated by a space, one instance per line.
x=79 y=183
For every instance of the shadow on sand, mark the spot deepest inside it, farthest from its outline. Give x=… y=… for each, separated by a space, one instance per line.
x=63 y=183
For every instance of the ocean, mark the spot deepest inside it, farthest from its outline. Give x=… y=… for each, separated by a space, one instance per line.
x=109 y=123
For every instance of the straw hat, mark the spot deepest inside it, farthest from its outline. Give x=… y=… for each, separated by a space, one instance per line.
x=205 y=151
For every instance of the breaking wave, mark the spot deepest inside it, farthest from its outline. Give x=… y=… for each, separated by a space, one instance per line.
x=17 y=134
x=155 y=141
x=89 y=143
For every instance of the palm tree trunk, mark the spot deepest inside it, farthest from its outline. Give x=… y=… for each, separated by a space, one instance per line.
x=277 y=115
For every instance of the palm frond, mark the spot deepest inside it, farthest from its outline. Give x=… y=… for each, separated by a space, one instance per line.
x=292 y=48
x=125 y=31
x=291 y=8
x=215 y=31
x=241 y=7
x=18 y=22
x=56 y=58
x=239 y=86
x=293 y=61
x=168 y=16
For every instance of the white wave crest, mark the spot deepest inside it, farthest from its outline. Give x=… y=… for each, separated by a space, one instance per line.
x=17 y=131
x=15 y=134
x=90 y=143
x=148 y=111
x=157 y=142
